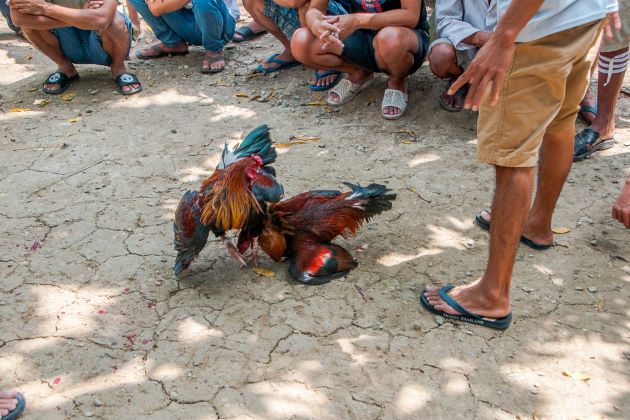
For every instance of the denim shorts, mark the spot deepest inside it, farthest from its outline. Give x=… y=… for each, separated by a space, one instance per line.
x=84 y=46
x=288 y=20
x=359 y=50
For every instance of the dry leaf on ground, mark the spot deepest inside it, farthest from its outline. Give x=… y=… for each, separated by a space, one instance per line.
x=264 y=272
x=561 y=230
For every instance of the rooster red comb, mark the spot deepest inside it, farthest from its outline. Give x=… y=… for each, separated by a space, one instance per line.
x=257 y=159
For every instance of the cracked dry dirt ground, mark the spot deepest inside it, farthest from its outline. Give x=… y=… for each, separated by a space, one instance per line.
x=94 y=324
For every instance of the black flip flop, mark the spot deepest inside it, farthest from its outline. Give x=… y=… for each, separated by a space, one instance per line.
x=61 y=79
x=246 y=34
x=484 y=224
x=461 y=92
x=128 y=79
x=494 y=323
x=160 y=53
x=586 y=143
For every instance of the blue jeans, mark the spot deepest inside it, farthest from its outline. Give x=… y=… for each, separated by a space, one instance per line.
x=208 y=23
x=85 y=47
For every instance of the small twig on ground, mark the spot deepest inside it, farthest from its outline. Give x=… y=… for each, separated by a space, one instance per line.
x=364 y=295
x=413 y=189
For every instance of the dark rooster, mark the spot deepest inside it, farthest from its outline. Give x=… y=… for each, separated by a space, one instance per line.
x=302 y=228
x=233 y=197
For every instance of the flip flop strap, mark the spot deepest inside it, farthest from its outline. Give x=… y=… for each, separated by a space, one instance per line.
x=345 y=89
x=395 y=98
x=453 y=303
x=215 y=59
x=583 y=139
x=57 y=78
x=127 y=79
x=321 y=75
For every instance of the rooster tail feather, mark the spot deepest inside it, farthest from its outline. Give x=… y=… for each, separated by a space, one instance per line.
x=257 y=142
x=377 y=197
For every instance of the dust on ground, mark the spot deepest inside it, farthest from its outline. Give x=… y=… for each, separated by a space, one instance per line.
x=95 y=325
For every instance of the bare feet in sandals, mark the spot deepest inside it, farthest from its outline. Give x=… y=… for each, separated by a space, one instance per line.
x=395 y=111
x=213 y=62
x=9 y=403
x=158 y=50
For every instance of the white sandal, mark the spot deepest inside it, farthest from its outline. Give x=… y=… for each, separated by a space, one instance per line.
x=346 y=91
x=396 y=99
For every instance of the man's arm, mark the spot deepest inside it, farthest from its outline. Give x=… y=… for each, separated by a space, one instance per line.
x=493 y=60
x=407 y=16
x=35 y=22
x=89 y=19
x=161 y=7
x=449 y=23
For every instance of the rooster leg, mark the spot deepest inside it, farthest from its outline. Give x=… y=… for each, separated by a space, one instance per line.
x=233 y=251
x=253 y=256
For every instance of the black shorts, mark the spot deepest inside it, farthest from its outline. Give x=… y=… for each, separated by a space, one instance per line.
x=359 y=50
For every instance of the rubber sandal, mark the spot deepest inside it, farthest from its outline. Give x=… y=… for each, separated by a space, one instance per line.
x=494 y=323
x=394 y=98
x=282 y=65
x=485 y=225
x=585 y=109
x=346 y=90
x=318 y=76
x=586 y=144
x=246 y=34
x=128 y=79
x=461 y=92
x=160 y=52
x=211 y=60
x=61 y=79
x=19 y=409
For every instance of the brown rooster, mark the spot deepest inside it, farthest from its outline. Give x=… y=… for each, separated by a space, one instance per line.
x=302 y=228
x=233 y=197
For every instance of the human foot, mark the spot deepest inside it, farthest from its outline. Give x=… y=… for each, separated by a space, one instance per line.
x=324 y=80
x=453 y=103
x=158 y=50
x=213 y=62
x=56 y=82
x=472 y=297
x=359 y=78
x=119 y=71
x=390 y=110
x=535 y=238
x=9 y=402
x=588 y=108
x=276 y=62
x=248 y=32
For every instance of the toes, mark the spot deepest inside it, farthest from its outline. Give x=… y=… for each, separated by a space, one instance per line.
x=3 y=412
x=8 y=404
x=8 y=395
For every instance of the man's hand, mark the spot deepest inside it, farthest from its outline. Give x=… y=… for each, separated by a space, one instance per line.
x=481 y=38
x=92 y=4
x=611 y=21
x=488 y=67
x=30 y=7
x=345 y=24
x=621 y=208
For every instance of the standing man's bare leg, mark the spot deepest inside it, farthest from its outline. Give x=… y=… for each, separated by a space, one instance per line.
x=490 y=296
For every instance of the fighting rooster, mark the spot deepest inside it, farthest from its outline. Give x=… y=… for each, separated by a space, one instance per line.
x=233 y=197
x=302 y=228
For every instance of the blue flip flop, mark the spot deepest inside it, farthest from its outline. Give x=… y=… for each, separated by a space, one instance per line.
x=319 y=76
x=494 y=323
x=19 y=409
x=282 y=65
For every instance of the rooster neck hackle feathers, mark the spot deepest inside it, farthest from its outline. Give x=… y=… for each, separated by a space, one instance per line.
x=230 y=200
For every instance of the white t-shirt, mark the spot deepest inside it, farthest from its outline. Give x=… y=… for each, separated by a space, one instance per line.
x=558 y=15
x=235 y=12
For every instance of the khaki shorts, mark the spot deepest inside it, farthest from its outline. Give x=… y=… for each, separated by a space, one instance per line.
x=621 y=37
x=541 y=93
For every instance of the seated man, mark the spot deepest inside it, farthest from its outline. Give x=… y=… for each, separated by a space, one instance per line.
x=180 y=23
x=77 y=32
x=388 y=36
x=281 y=18
x=463 y=26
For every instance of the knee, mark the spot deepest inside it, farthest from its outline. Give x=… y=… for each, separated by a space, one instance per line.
x=300 y=43
x=116 y=28
x=388 y=42
x=441 y=58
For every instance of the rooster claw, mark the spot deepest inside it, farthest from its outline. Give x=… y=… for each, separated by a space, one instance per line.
x=234 y=252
